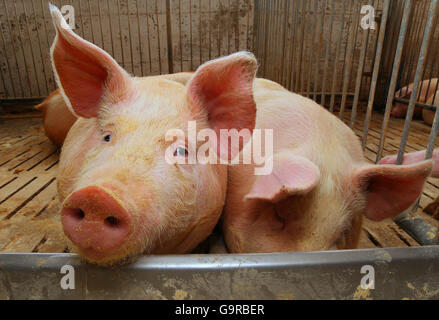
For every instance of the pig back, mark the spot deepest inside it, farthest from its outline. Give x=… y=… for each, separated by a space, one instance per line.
x=300 y=123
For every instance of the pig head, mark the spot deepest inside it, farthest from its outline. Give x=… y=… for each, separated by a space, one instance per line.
x=320 y=187
x=119 y=194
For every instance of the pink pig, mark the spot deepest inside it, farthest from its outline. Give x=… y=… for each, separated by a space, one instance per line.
x=320 y=186
x=119 y=195
x=399 y=110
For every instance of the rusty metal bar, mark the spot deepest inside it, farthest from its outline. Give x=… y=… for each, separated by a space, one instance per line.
x=328 y=49
x=319 y=51
x=417 y=104
x=365 y=42
x=348 y=66
x=395 y=71
x=416 y=85
x=337 y=57
x=311 y=52
x=284 y=42
x=292 y=76
x=169 y=36
x=376 y=68
x=302 y=44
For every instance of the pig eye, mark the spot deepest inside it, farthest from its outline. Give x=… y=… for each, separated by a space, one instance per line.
x=181 y=152
x=107 y=138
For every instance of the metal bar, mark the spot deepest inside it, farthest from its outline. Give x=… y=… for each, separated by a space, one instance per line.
x=337 y=57
x=319 y=51
x=267 y=21
x=158 y=37
x=169 y=36
x=311 y=49
x=39 y=43
x=140 y=37
x=360 y=74
x=376 y=68
x=328 y=49
x=302 y=45
x=348 y=69
x=419 y=70
x=417 y=104
x=284 y=42
x=395 y=71
x=291 y=76
x=433 y=134
x=414 y=32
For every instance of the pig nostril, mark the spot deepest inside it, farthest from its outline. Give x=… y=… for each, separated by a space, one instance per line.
x=78 y=214
x=112 y=221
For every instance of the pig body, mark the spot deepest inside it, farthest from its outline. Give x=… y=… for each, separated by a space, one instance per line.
x=399 y=110
x=57 y=118
x=428 y=115
x=320 y=187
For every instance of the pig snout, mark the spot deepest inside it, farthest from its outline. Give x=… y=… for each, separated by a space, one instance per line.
x=95 y=220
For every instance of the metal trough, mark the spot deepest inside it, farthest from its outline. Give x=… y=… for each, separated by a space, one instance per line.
x=400 y=273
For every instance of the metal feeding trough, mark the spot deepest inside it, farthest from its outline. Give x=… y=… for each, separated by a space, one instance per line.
x=317 y=48
x=394 y=273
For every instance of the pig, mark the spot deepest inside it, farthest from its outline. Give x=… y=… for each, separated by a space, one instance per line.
x=120 y=197
x=57 y=118
x=320 y=186
x=428 y=87
x=428 y=115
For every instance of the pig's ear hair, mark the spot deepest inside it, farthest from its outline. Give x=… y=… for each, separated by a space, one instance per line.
x=224 y=89
x=87 y=76
x=391 y=189
x=291 y=175
x=415 y=157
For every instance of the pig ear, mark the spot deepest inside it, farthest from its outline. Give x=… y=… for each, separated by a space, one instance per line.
x=415 y=157
x=87 y=76
x=391 y=189
x=291 y=175
x=224 y=88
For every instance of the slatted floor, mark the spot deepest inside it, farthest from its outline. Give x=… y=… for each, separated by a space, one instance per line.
x=29 y=210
